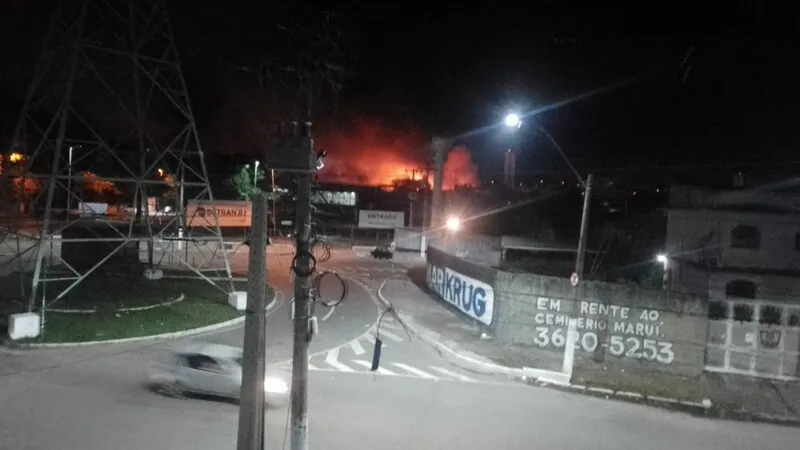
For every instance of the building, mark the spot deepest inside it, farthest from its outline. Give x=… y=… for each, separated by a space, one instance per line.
x=741 y=249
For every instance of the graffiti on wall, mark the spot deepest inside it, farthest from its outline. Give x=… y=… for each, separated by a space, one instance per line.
x=619 y=330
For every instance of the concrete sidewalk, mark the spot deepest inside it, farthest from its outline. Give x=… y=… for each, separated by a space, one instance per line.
x=723 y=396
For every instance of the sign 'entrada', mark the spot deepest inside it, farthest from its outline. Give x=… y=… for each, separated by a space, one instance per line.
x=381 y=219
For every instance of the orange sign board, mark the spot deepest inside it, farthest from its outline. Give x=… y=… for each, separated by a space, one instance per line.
x=225 y=213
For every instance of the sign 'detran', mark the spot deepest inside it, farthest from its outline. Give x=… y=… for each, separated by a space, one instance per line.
x=472 y=297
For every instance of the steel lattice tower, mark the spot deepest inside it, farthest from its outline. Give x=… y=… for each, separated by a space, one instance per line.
x=108 y=96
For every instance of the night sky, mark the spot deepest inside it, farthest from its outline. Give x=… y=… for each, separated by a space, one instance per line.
x=640 y=106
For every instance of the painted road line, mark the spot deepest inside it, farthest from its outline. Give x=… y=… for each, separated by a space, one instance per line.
x=370 y=339
x=356 y=347
x=313 y=367
x=368 y=365
x=449 y=373
x=394 y=326
x=415 y=371
x=388 y=334
x=332 y=359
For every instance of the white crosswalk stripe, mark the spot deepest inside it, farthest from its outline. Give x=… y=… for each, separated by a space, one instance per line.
x=332 y=359
x=415 y=371
x=394 y=326
x=356 y=347
x=332 y=363
x=388 y=334
x=449 y=373
x=368 y=366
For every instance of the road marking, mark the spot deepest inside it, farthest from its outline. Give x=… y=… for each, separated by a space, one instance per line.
x=453 y=374
x=332 y=359
x=313 y=367
x=357 y=348
x=393 y=325
x=415 y=371
x=390 y=335
x=368 y=365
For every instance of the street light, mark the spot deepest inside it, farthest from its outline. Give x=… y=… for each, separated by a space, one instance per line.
x=255 y=174
x=453 y=223
x=513 y=121
x=69 y=177
x=662 y=258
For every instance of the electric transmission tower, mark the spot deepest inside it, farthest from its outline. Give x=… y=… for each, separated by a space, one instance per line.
x=108 y=97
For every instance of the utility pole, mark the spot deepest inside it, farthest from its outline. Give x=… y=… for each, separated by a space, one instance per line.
x=582 y=240
x=274 y=208
x=251 y=410
x=302 y=269
x=426 y=199
x=439 y=151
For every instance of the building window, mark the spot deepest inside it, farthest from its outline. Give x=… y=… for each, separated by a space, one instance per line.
x=740 y=289
x=745 y=236
x=797 y=242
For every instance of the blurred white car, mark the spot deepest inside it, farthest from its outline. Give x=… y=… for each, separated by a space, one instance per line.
x=210 y=369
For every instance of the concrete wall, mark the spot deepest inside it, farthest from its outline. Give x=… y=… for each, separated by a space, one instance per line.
x=408 y=238
x=446 y=273
x=621 y=329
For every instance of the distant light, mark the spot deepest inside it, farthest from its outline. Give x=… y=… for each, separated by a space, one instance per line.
x=453 y=223
x=15 y=157
x=662 y=258
x=513 y=121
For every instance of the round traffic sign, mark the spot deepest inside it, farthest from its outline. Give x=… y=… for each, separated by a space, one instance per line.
x=574 y=279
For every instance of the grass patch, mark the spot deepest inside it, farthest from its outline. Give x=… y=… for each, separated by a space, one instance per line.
x=202 y=305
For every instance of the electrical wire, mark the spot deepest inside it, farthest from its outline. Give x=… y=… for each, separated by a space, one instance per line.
x=312 y=264
x=318 y=286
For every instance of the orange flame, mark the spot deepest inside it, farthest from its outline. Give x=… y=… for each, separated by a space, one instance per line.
x=370 y=153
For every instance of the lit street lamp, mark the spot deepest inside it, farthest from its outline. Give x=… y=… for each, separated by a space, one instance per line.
x=514 y=121
x=255 y=175
x=664 y=260
x=69 y=177
x=453 y=223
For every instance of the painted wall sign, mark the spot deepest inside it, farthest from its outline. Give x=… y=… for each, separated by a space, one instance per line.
x=628 y=333
x=380 y=219
x=472 y=297
x=228 y=213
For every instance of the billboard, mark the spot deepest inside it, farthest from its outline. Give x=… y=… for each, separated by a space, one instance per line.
x=472 y=297
x=380 y=219
x=334 y=198
x=229 y=213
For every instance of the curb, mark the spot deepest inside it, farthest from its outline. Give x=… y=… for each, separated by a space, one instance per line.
x=123 y=310
x=165 y=336
x=701 y=409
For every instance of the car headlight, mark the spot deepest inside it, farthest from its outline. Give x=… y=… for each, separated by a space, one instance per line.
x=275 y=386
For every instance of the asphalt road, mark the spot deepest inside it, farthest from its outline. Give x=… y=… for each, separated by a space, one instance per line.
x=94 y=399
x=81 y=408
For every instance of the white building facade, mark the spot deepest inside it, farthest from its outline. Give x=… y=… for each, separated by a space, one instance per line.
x=741 y=249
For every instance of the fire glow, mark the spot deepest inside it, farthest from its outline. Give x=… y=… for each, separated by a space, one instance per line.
x=369 y=153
